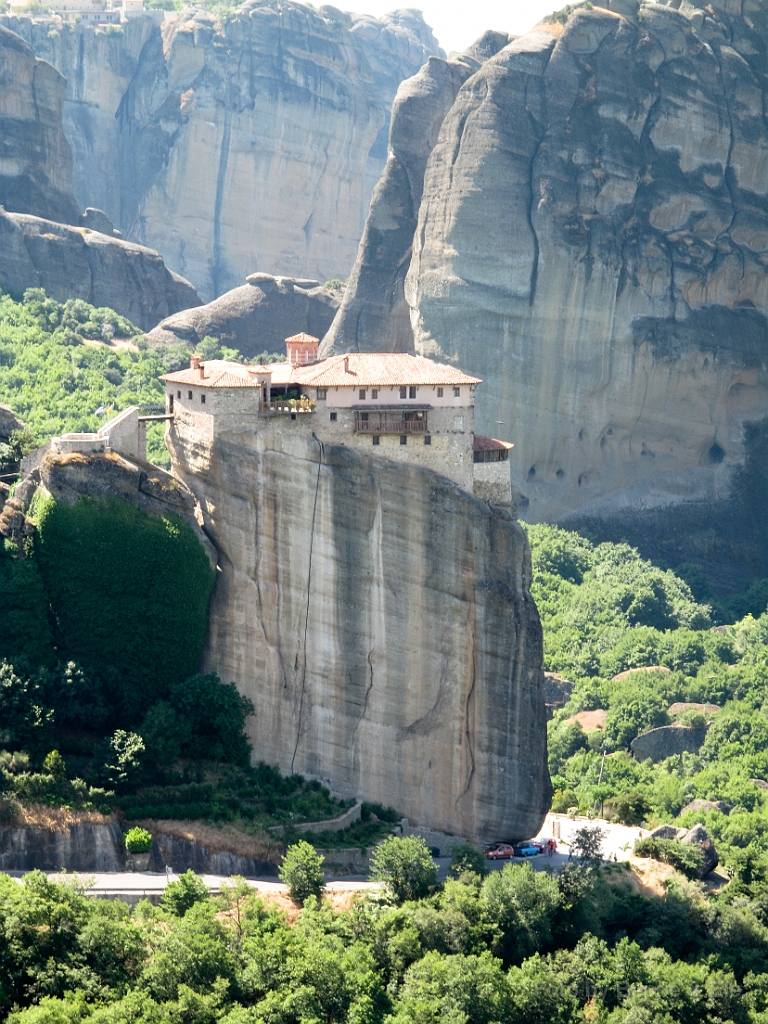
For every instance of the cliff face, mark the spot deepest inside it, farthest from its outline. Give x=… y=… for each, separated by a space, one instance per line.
x=35 y=159
x=592 y=241
x=381 y=622
x=255 y=147
x=76 y=263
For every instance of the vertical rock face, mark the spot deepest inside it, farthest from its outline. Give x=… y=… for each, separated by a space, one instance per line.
x=380 y=620
x=35 y=159
x=375 y=316
x=592 y=241
x=252 y=147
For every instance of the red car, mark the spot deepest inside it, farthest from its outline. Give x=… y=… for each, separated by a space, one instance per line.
x=499 y=851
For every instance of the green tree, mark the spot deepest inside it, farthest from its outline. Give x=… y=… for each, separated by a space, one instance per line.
x=405 y=866
x=180 y=896
x=302 y=871
x=466 y=857
x=522 y=905
x=587 y=844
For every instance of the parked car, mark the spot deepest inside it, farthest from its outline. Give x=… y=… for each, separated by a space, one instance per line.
x=499 y=851
x=527 y=849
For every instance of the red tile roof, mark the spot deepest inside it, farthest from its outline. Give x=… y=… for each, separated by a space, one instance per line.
x=302 y=339
x=379 y=369
x=358 y=370
x=217 y=373
x=490 y=444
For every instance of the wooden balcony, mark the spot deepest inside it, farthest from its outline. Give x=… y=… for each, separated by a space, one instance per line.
x=391 y=423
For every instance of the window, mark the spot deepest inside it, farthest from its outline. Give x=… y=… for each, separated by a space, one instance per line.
x=333 y=417
x=361 y=394
x=189 y=395
x=457 y=392
x=322 y=394
x=374 y=393
x=178 y=394
x=403 y=439
x=170 y=403
x=202 y=399
x=427 y=439
x=403 y=392
x=411 y=392
x=439 y=392
x=375 y=438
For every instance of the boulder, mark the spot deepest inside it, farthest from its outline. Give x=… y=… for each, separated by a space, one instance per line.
x=254 y=318
x=701 y=838
x=9 y=422
x=97 y=220
x=659 y=744
x=707 y=805
x=643 y=668
x=667 y=832
x=682 y=706
x=74 y=263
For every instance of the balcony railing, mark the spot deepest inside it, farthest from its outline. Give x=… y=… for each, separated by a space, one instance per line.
x=390 y=425
x=284 y=408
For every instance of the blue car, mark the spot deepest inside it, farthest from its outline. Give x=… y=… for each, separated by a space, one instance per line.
x=525 y=850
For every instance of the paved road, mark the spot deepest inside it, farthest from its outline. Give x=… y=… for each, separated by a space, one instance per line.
x=618 y=842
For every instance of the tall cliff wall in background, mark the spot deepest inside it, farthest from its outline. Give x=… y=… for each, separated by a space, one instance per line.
x=380 y=620
x=592 y=241
x=252 y=147
x=35 y=159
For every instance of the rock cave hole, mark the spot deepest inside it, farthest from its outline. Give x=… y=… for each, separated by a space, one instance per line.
x=560 y=474
x=531 y=472
x=716 y=454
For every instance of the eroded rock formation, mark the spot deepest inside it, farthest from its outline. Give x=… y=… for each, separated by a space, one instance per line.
x=253 y=146
x=592 y=241
x=35 y=159
x=256 y=317
x=78 y=263
x=380 y=620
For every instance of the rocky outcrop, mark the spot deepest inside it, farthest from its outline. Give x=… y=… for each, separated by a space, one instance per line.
x=181 y=854
x=9 y=422
x=78 y=263
x=81 y=846
x=35 y=159
x=380 y=620
x=592 y=241
x=697 y=835
x=254 y=318
x=374 y=316
x=667 y=740
x=699 y=806
x=253 y=145
x=73 y=476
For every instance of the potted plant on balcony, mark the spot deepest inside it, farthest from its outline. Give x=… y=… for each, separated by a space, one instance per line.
x=138 y=843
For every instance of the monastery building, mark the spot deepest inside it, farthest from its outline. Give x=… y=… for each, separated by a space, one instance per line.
x=399 y=406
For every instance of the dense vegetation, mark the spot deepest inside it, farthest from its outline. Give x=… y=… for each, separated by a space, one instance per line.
x=515 y=947
x=605 y=610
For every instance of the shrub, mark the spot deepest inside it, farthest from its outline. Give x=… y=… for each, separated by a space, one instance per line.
x=466 y=857
x=302 y=872
x=587 y=844
x=138 y=840
x=405 y=866
x=179 y=896
x=684 y=857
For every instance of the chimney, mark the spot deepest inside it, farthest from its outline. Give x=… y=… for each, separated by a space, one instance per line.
x=194 y=362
